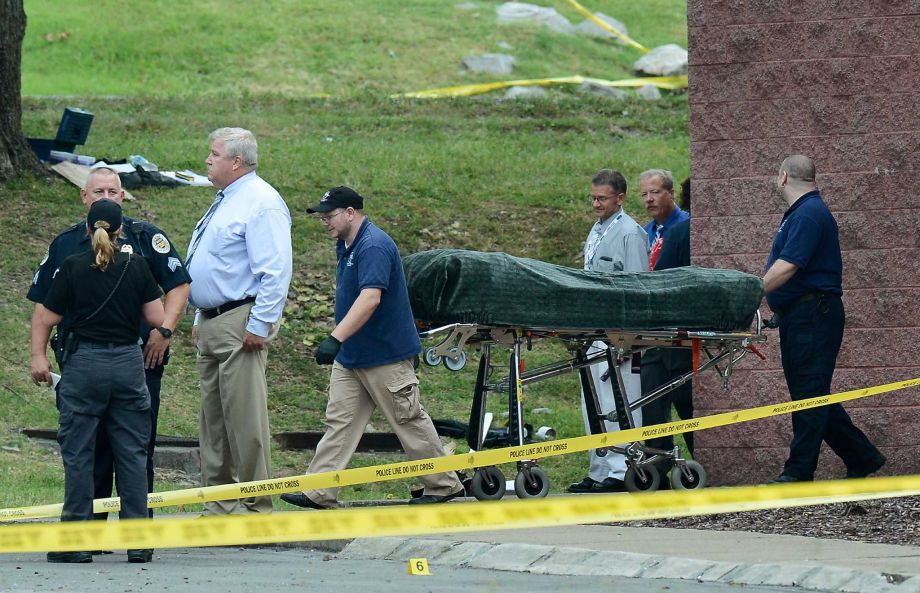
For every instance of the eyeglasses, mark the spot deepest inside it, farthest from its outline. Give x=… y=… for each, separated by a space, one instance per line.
x=325 y=219
x=601 y=199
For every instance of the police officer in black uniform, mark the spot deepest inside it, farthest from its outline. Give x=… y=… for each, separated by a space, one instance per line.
x=105 y=293
x=143 y=239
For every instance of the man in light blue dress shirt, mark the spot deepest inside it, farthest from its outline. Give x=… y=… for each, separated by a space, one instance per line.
x=616 y=243
x=240 y=262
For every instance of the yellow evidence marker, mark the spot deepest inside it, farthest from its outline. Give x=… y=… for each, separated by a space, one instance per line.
x=419 y=566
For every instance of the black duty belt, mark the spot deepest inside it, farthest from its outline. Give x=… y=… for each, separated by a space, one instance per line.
x=808 y=296
x=229 y=306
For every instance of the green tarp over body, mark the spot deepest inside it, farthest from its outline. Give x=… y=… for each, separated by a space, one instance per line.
x=457 y=286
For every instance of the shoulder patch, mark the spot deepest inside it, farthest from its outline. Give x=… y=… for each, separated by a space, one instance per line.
x=126 y=248
x=173 y=263
x=160 y=243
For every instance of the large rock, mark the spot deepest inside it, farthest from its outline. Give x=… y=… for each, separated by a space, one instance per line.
x=525 y=92
x=592 y=29
x=511 y=12
x=665 y=60
x=490 y=63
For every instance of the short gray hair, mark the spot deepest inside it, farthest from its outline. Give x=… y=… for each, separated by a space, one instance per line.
x=667 y=179
x=799 y=167
x=238 y=142
x=101 y=171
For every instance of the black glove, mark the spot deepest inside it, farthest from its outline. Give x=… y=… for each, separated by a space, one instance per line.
x=326 y=351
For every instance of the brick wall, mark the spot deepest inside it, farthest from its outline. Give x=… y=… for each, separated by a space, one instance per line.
x=838 y=80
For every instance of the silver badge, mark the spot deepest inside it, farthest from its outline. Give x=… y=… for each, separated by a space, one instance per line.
x=160 y=243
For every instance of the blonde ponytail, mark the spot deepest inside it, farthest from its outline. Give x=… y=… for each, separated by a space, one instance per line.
x=103 y=244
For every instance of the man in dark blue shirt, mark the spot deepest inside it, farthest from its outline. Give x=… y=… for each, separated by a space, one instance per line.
x=372 y=350
x=662 y=365
x=142 y=239
x=656 y=188
x=803 y=285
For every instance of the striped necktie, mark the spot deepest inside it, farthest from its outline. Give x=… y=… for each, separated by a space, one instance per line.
x=202 y=225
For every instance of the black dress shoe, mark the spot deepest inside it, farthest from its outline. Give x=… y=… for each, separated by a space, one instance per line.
x=101 y=552
x=432 y=499
x=140 y=556
x=299 y=499
x=609 y=485
x=873 y=467
x=70 y=557
x=787 y=479
x=581 y=487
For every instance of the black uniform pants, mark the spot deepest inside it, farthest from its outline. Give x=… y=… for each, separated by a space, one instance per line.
x=105 y=459
x=660 y=366
x=810 y=334
x=103 y=390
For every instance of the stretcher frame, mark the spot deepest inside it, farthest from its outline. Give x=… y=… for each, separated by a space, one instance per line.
x=621 y=344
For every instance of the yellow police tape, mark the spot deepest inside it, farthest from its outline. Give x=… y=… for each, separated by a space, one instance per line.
x=625 y=38
x=409 y=469
x=467 y=90
x=432 y=519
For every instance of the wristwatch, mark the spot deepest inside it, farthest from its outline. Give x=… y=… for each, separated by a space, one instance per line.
x=165 y=332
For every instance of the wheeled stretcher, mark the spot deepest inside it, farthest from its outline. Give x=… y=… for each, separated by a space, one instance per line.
x=483 y=299
x=722 y=350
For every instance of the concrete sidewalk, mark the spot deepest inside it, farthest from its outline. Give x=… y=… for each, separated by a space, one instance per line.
x=648 y=552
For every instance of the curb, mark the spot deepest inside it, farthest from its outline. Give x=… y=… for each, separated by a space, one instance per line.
x=558 y=560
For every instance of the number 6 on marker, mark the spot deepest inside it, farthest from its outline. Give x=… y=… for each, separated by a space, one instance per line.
x=418 y=566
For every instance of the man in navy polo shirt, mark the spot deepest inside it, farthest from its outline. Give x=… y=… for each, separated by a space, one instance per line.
x=803 y=284
x=656 y=188
x=371 y=351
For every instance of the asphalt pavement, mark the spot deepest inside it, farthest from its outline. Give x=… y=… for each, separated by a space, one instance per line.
x=232 y=570
x=636 y=554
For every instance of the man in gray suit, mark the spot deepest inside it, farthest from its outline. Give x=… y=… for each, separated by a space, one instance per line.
x=616 y=243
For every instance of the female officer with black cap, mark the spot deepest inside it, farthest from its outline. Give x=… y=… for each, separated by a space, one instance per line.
x=105 y=292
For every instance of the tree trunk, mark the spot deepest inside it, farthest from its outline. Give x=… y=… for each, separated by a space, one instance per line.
x=15 y=154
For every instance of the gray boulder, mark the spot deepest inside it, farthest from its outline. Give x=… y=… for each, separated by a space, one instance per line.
x=490 y=63
x=594 y=88
x=592 y=29
x=525 y=92
x=649 y=92
x=511 y=12
x=665 y=60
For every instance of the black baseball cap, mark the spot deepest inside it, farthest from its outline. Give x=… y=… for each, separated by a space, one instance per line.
x=104 y=214
x=338 y=197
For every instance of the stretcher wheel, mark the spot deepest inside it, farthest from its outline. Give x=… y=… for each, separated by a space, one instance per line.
x=636 y=483
x=536 y=487
x=696 y=480
x=459 y=363
x=432 y=359
x=488 y=483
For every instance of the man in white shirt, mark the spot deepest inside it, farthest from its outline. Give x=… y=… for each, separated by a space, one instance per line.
x=616 y=243
x=240 y=262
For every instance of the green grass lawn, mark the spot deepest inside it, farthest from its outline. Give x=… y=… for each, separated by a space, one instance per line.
x=313 y=80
